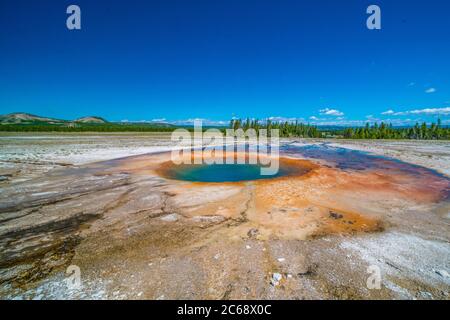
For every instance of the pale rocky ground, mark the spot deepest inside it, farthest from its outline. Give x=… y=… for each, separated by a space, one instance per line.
x=24 y=156
x=137 y=236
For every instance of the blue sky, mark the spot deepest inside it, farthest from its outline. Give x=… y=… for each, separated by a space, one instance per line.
x=214 y=59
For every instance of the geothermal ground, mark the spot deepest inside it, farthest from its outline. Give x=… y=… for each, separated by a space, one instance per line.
x=103 y=203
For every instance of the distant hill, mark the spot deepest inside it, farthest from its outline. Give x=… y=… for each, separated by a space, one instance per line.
x=23 y=118
x=28 y=118
x=91 y=119
x=26 y=122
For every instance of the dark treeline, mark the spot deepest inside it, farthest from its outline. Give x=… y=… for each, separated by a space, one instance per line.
x=376 y=131
x=387 y=131
x=287 y=129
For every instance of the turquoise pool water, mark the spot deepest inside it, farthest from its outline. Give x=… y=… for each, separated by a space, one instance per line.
x=340 y=158
x=222 y=172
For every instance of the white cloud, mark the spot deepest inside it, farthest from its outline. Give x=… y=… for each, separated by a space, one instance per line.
x=426 y=111
x=432 y=111
x=430 y=90
x=370 y=117
x=331 y=112
x=205 y=122
x=159 y=120
x=284 y=119
x=332 y=118
x=361 y=123
x=182 y=122
x=411 y=84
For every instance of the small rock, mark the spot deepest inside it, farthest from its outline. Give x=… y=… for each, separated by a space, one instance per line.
x=426 y=295
x=252 y=233
x=170 y=217
x=307 y=270
x=101 y=293
x=140 y=294
x=281 y=259
x=248 y=247
x=276 y=277
x=442 y=273
x=209 y=219
x=217 y=256
x=335 y=215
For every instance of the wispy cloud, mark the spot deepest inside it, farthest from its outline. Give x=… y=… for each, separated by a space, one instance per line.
x=430 y=90
x=360 y=123
x=370 y=117
x=331 y=112
x=205 y=122
x=284 y=119
x=426 y=111
x=143 y=121
x=181 y=122
x=329 y=118
x=432 y=111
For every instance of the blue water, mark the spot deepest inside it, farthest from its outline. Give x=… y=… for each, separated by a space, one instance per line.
x=354 y=160
x=222 y=172
x=347 y=159
x=340 y=158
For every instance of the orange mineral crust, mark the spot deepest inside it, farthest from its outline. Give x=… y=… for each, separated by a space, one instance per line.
x=312 y=199
x=143 y=227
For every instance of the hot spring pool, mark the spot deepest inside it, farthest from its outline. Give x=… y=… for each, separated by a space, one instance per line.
x=225 y=172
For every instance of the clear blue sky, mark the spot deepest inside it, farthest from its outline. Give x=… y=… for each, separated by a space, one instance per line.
x=214 y=59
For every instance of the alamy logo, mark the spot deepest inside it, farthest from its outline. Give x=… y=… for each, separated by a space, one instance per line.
x=73 y=280
x=374 y=20
x=73 y=21
x=234 y=147
x=374 y=280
